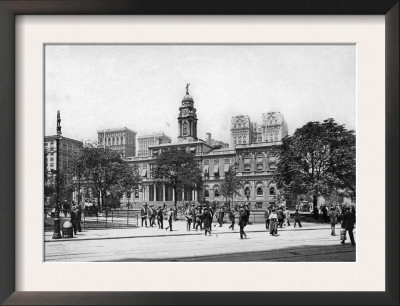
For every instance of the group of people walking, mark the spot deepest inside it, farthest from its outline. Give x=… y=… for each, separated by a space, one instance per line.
x=201 y=217
x=149 y=212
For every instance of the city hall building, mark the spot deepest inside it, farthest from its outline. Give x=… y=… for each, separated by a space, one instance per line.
x=252 y=153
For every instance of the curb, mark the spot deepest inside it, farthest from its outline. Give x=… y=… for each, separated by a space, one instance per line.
x=183 y=234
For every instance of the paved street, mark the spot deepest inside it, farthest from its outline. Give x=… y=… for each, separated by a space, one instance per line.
x=312 y=242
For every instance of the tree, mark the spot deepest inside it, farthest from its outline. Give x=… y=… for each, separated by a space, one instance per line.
x=317 y=159
x=231 y=184
x=177 y=168
x=103 y=170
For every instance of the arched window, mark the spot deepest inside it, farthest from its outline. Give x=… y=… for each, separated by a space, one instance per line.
x=216 y=192
x=247 y=192
x=272 y=190
x=259 y=191
x=206 y=193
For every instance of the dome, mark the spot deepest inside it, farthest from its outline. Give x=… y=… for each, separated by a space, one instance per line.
x=187 y=98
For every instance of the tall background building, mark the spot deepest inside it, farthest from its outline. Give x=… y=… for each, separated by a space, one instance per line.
x=122 y=140
x=69 y=149
x=244 y=131
x=145 y=141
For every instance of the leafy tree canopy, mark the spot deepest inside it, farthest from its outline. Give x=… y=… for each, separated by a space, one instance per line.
x=318 y=159
x=231 y=184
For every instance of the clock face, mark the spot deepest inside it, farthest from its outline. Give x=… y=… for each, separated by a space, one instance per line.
x=185 y=112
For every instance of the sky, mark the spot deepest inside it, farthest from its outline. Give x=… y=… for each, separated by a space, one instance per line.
x=141 y=86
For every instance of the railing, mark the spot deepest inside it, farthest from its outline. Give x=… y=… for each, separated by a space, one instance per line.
x=97 y=220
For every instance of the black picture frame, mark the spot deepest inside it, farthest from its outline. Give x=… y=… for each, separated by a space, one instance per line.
x=10 y=8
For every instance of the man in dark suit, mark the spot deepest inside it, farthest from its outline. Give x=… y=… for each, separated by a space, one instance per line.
x=143 y=214
x=242 y=222
x=348 y=221
x=281 y=217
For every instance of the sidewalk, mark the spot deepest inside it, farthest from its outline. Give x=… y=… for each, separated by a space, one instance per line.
x=179 y=229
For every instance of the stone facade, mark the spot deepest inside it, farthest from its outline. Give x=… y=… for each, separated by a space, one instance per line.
x=69 y=149
x=254 y=160
x=122 y=140
x=145 y=141
x=272 y=129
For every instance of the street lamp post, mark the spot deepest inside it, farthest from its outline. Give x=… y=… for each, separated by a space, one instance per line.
x=57 y=220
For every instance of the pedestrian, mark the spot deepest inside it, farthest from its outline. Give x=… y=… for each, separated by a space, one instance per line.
x=198 y=219
x=324 y=213
x=242 y=222
x=297 y=217
x=160 y=217
x=273 y=219
x=247 y=210
x=169 y=218
x=206 y=217
x=266 y=216
x=188 y=218
x=193 y=213
x=79 y=218
x=333 y=220
x=212 y=216
x=222 y=214
x=73 y=215
x=150 y=215
x=349 y=219
x=143 y=214
x=232 y=219
x=219 y=216
x=287 y=215
x=280 y=216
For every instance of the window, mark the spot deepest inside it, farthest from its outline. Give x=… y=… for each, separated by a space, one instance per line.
x=234 y=142
x=259 y=166
x=206 y=193
x=272 y=190
x=216 y=192
x=51 y=165
x=51 y=158
x=247 y=167
x=259 y=191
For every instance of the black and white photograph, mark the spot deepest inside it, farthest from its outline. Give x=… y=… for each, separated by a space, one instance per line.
x=199 y=153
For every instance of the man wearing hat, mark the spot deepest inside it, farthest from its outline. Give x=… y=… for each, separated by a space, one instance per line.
x=333 y=220
x=143 y=214
x=349 y=219
x=160 y=217
x=206 y=217
x=242 y=222
x=193 y=214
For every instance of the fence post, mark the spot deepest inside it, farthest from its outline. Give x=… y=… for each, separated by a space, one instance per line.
x=112 y=216
x=127 y=218
x=137 y=220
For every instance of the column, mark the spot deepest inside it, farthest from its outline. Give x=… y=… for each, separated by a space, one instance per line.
x=183 y=195
x=154 y=192
x=173 y=195
x=193 y=195
x=163 y=192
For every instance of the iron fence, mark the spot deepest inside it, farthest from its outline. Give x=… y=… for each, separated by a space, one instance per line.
x=97 y=220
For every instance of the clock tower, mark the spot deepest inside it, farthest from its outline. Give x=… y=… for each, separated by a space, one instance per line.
x=187 y=119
